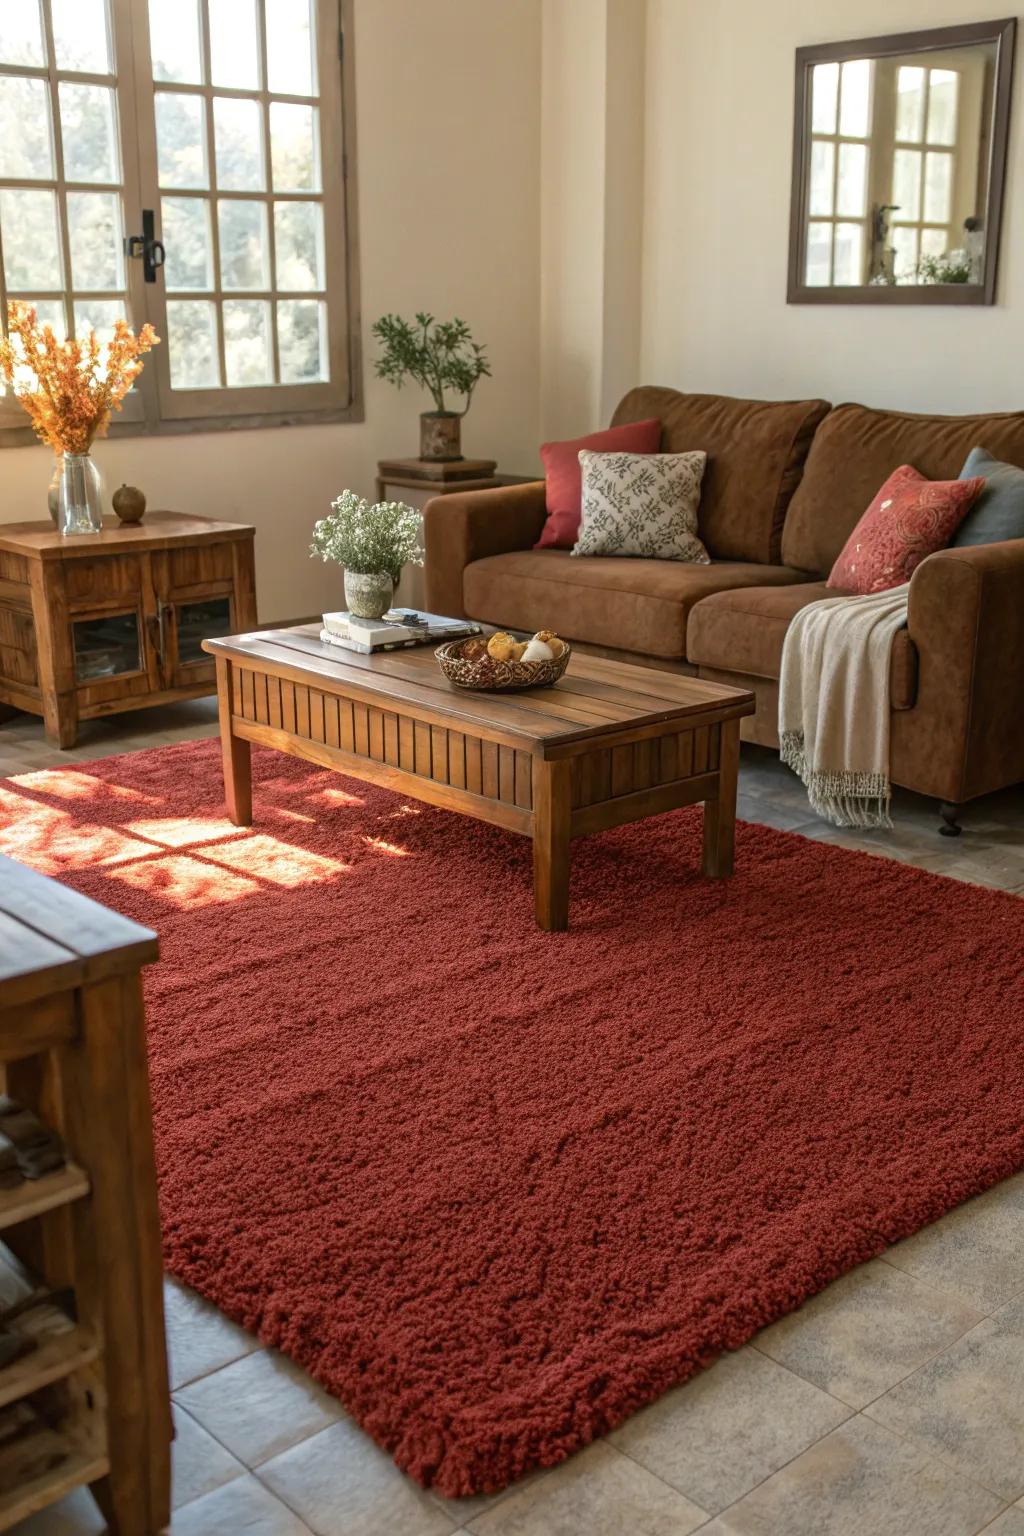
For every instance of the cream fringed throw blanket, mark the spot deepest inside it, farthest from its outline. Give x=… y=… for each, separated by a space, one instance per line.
x=834 y=704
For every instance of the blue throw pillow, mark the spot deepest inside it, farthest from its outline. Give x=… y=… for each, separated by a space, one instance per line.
x=998 y=512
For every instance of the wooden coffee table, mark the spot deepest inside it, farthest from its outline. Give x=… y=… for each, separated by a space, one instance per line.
x=609 y=743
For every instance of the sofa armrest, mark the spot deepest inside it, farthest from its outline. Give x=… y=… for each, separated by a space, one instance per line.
x=966 y=619
x=470 y=525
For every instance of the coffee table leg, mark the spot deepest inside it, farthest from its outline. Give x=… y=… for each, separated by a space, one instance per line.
x=720 y=814
x=552 y=812
x=236 y=754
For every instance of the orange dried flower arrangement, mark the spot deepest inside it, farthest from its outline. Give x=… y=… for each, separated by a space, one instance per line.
x=71 y=395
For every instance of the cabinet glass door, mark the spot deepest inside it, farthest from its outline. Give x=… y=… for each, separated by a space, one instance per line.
x=206 y=618
x=109 y=646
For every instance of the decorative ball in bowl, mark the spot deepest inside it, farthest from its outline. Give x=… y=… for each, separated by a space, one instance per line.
x=501 y=664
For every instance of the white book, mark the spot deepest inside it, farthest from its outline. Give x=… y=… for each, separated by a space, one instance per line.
x=389 y=632
x=346 y=643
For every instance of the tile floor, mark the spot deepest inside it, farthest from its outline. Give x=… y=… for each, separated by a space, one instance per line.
x=892 y=1404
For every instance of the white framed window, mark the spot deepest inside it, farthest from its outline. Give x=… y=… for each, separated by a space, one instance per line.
x=184 y=162
x=837 y=230
x=924 y=164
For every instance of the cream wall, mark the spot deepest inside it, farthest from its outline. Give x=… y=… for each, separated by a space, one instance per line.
x=591 y=181
x=448 y=105
x=717 y=156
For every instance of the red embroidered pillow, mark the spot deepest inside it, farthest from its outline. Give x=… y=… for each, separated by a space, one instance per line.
x=910 y=518
x=563 y=475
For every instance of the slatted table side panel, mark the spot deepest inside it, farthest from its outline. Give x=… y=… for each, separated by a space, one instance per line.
x=611 y=772
x=435 y=752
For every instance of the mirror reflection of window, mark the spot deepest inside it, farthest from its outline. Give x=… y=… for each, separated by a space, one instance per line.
x=841 y=109
x=923 y=166
x=897 y=164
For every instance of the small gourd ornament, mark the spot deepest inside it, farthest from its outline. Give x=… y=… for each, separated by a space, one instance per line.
x=129 y=503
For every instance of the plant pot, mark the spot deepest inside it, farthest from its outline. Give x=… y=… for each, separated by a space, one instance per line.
x=368 y=596
x=441 y=436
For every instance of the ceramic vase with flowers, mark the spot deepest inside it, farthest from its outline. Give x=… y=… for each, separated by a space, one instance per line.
x=69 y=391
x=373 y=542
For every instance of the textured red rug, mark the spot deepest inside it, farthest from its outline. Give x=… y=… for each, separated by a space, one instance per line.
x=497 y=1188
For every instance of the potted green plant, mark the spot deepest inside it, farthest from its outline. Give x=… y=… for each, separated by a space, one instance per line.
x=373 y=543
x=440 y=355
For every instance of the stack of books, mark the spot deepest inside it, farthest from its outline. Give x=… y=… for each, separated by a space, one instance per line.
x=399 y=627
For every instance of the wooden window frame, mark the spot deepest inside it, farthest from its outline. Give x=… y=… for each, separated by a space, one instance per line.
x=154 y=409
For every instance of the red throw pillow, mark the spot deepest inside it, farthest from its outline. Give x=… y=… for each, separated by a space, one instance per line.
x=562 y=472
x=910 y=518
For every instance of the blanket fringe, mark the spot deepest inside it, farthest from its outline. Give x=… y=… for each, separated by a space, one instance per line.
x=846 y=798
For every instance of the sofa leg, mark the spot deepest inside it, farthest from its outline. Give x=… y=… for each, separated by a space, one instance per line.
x=950 y=826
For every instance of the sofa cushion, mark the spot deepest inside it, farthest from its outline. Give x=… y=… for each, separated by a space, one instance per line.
x=756 y=451
x=909 y=518
x=563 y=476
x=743 y=632
x=998 y=513
x=610 y=600
x=856 y=448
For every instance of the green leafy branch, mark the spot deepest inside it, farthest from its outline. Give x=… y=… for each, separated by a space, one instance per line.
x=437 y=354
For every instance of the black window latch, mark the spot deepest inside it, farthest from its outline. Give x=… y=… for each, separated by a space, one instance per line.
x=146 y=248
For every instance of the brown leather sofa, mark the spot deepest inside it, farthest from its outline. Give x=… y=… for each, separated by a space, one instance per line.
x=785 y=484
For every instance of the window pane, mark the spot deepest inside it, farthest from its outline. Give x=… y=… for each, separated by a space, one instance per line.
x=21 y=36
x=87 y=118
x=51 y=312
x=851 y=194
x=243 y=244
x=94 y=228
x=185 y=222
x=31 y=239
x=299 y=245
x=294 y=147
x=818 y=266
x=943 y=88
x=192 y=344
x=238 y=135
x=909 y=102
x=905 y=245
x=26 y=148
x=849 y=258
x=824 y=96
x=81 y=38
x=933 y=242
x=906 y=185
x=98 y=315
x=290 y=52
x=822 y=165
x=300 y=340
x=247 y=341
x=234 y=53
x=181 y=140
x=174 y=41
x=938 y=186
x=855 y=101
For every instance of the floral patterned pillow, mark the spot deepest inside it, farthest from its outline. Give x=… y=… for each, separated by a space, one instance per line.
x=910 y=518
x=641 y=504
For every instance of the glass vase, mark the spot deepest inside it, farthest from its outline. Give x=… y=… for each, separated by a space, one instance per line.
x=81 y=495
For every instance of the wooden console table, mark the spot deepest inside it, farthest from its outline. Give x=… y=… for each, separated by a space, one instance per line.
x=92 y=1397
x=99 y=623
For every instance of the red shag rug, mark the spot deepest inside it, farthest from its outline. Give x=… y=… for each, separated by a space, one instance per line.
x=496 y=1188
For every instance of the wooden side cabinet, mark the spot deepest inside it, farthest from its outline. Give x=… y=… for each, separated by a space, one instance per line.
x=90 y=1405
x=98 y=623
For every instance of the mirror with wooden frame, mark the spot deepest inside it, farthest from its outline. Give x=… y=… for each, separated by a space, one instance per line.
x=899 y=154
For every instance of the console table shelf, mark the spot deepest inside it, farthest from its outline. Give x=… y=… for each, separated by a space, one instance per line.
x=99 y=623
x=89 y=1403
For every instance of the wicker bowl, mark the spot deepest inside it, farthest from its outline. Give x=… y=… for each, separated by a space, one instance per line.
x=498 y=676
